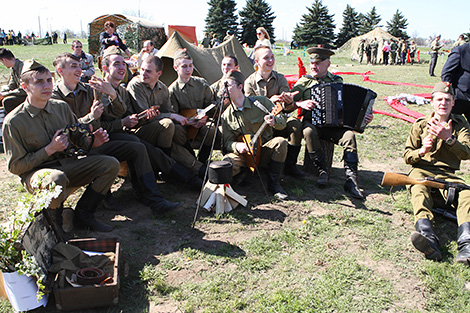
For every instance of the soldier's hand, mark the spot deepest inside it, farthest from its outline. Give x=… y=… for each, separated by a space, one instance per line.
x=130 y=121
x=59 y=142
x=369 y=117
x=201 y=122
x=440 y=130
x=179 y=118
x=96 y=109
x=428 y=142
x=103 y=86
x=269 y=118
x=101 y=136
x=306 y=104
x=152 y=113
x=241 y=147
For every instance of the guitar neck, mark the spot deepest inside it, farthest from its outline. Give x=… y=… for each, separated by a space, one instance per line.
x=254 y=139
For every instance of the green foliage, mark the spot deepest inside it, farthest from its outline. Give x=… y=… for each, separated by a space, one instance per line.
x=12 y=257
x=369 y=21
x=350 y=29
x=256 y=13
x=221 y=17
x=397 y=25
x=316 y=27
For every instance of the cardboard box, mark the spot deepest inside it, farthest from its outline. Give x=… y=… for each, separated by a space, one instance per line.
x=75 y=298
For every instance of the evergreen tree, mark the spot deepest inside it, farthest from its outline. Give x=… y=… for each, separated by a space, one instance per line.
x=369 y=21
x=397 y=25
x=221 y=17
x=350 y=27
x=256 y=13
x=316 y=27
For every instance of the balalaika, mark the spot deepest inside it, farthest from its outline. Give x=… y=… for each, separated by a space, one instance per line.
x=340 y=105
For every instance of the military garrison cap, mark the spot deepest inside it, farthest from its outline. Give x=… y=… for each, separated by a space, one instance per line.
x=182 y=54
x=236 y=76
x=31 y=65
x=444 y=87
x=319 y=54
x=112 y=50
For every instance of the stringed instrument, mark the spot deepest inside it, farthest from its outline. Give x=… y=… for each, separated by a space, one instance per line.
x=193 y=117
x=254 y=141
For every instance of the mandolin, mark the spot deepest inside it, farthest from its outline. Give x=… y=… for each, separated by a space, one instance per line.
x=254 y=141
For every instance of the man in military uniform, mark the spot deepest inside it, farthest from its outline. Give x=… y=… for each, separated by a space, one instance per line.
x=374 y=45
x=319 y=64
x=435 y=47
x=86 y=61
x=393 y=52
x=245 y=117
x=80 y=98
x=457 y=72
x=360 y=50
x=31 y=153
x=114 y=68
x=273 y=85
x=189 y=94
x=435 y=147
x=229 y=63
x=11 y=95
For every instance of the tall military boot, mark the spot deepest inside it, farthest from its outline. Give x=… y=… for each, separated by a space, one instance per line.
x=350 y=168
x=85 y=210
x=425 y=240
x=274 y=175
x=290 y=166
x=152 y=197
x=179 y=173
x=318 y=159
x=463 y=244
x=204 y=154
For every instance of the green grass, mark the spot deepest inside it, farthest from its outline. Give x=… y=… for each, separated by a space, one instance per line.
x=326 y=253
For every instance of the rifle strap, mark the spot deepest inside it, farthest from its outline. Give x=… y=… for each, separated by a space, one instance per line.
x=451 y=193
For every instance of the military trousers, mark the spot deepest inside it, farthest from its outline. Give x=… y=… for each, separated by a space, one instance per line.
x=73 y=172
x=338 y=135
x=292 y=132
x=421 y=196
x=158 y=132
x=275 y=149
x=433 y=63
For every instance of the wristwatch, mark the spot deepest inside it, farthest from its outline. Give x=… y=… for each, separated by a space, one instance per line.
x=450 y=140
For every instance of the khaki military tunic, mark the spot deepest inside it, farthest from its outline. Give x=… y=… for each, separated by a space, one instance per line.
x=13 y=94
x=312 y=134
x=161 y=130
x=441 y=163
x=276 y=84
x=251 y=118
x=26 y=133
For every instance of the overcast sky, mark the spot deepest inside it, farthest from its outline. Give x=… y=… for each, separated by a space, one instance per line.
x=425 y=18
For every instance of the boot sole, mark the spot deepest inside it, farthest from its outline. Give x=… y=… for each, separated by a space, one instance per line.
x=422 y=244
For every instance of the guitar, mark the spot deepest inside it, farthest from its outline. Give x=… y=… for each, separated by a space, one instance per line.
x=193 y=117
x=253 y=142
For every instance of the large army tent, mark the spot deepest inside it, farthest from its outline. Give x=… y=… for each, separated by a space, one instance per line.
x=206 y=61
x=353 y=43
x=133 y=30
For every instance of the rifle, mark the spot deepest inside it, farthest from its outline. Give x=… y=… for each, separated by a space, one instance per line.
x=393 y=179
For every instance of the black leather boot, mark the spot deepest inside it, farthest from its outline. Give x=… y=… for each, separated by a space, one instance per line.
x=463 y=244
x=85 y=211
x=318 y=159
x=179 y=173
x=350 y=168
x=152 y=197
x=274 y=174
x=290 y=166
x=425 y=240
x=204 y=154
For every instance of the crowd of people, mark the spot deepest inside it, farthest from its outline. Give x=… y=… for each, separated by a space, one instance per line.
x=394 y=52
x=153 y=127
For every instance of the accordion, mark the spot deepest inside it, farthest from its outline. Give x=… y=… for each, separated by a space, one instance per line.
x=340 y=105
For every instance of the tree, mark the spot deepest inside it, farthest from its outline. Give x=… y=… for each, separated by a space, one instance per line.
x=369 y=21
x=350 y=27
x=221 y=17
x=397 y=25
x=256 y=13
x=316 y=27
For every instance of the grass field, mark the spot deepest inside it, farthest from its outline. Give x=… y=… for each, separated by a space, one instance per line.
x=318 y=252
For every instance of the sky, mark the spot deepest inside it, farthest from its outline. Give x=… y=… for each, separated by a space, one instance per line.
x=425 y=18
